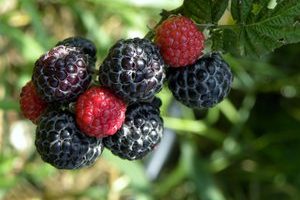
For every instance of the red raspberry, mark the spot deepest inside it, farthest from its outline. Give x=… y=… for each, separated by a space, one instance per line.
x=32 y=106
x=179 y=40
x=99 y=113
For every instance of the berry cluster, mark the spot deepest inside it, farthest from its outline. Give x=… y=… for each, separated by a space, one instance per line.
x=76 y=118
x=195 y=81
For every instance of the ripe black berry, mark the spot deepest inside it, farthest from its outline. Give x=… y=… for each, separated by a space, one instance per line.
x=133 y=69
x=61 y=144
x=61 y=74
x=140 y=133
x=203 y=84
x=84 y=46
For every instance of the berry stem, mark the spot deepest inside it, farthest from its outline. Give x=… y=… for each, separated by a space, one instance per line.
x=209 y=25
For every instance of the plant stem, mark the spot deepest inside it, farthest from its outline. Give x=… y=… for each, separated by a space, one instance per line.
x=217 y=26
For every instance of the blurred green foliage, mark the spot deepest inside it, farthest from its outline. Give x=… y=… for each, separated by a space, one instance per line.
x=244 y=148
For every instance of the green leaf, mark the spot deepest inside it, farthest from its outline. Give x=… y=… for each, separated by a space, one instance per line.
x=241 y=9
x=260 y=29
x=230 y=41
x=218 y=9
x=260 y=26
x=204 y=11
x=226 y=40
